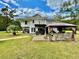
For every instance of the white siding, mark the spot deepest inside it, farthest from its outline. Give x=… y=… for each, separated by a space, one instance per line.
x=37 y=20
x=23 y=24
x=40 y=21
x=29 y=24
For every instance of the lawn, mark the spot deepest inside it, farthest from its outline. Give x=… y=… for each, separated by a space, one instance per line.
x=24 y=48
x=4 y=35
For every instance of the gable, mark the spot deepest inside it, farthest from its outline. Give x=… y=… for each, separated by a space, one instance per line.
x=37 y=15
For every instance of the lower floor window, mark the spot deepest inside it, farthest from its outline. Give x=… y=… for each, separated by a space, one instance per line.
x=32 y=29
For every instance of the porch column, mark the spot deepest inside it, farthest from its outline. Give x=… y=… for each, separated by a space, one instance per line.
x=74 y=29
x=23 y=30
x=49 y=30
x=30 y=30
x=36 y=29
x=73 y=34
x=45 y=31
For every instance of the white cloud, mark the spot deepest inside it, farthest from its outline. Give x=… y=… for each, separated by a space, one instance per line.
x=31 y=12
x=14 y=2
x=54 y=3
x=6 y=1
x=4 y=4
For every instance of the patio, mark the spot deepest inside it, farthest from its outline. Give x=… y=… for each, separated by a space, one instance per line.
x=57 y=32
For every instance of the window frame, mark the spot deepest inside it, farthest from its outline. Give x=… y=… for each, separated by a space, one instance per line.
x=25 y=22
x=33 y=21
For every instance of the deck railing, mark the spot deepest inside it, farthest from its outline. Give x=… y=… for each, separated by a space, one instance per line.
x=59 y=36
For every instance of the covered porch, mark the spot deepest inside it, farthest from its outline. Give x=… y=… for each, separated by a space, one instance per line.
x=40 y=29
x=61 y=31
x=58 y=32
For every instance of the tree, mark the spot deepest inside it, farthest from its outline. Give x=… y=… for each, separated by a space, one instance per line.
x=4 y=23
x=67 y=7
x=8 y=15
x=13 y=29
x=75 y=2
x=57 y=17
x=11 y=13
x=5 y=10
x=73 y=10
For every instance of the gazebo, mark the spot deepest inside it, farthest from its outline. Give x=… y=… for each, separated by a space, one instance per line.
x=58 y=31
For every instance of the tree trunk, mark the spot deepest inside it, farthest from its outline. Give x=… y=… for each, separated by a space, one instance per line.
x=14 y=33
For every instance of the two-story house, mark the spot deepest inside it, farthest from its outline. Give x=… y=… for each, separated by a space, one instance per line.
x=34 y=24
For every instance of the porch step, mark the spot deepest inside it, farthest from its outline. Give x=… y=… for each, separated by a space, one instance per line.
x=39 y=38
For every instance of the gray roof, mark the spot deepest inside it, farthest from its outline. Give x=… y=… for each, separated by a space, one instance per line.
x=54 y=24
x=36 y=15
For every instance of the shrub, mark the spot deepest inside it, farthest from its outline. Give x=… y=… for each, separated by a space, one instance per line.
x=13 y=29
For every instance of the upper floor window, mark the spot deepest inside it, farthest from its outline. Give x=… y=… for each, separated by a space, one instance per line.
x=33 y=21
x=39 y=22
x=25 y=22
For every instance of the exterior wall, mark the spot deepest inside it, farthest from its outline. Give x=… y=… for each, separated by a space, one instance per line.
x=29 y=24
x=37 y=20
x=40 y=21
x=24 y=25
x=32 y=25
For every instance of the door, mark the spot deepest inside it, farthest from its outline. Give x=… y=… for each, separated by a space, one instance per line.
x=41 y=30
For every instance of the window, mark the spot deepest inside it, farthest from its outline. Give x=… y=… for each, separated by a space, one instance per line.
x=39 y=22
x=33 y=21
x=25 y=22
x=32 y=29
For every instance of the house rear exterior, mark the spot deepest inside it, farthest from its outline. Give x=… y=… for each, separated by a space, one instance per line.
x=34 y=24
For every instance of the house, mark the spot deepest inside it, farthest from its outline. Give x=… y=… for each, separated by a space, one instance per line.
x=40 y=25
x=34 y=24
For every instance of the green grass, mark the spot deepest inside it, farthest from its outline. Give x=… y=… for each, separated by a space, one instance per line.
x=4 y=35
x=26 y=49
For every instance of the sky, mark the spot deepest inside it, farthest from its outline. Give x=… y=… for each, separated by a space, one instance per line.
x=44 y=7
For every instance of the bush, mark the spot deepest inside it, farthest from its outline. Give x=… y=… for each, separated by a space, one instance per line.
x=12 y=29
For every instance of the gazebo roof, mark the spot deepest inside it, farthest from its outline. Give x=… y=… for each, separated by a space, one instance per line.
x=58 y=24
